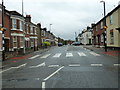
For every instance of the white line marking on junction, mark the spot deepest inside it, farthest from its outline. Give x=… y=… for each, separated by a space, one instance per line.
x=95 y=54
x=96 y=64
x=45 y=56
x=69 y=55
x=57 y=55
x=42 y=64
x=53 y=66
x=43 y=85
x=34 y=57
x=74 y=65
x=53 y=73
x=14 y=68
x=81 y=54
x=116 y=64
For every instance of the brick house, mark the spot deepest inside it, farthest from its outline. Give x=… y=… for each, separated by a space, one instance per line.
x=39 y=35
x=98 y=33
x=31 y=39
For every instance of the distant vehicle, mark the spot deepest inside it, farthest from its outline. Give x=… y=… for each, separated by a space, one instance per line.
x=76 y=43
x=60 y=44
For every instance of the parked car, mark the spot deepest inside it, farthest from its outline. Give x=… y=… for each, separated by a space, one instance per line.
x=76 y=43
x=60 y=44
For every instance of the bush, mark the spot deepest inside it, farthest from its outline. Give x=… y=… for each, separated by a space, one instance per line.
x=46 y=44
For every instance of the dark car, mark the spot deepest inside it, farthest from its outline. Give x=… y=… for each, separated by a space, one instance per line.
x=60 y=44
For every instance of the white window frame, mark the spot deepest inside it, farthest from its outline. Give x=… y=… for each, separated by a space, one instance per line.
x=21 y=42
x=21 y=25
x=14 y=24
x=112 y=37
x=15 y=41
x=111 y=19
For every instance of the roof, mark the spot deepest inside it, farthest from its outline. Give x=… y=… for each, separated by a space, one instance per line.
x=108 y=14
x=16 y=13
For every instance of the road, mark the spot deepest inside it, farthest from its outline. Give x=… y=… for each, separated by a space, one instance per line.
x=63 y=67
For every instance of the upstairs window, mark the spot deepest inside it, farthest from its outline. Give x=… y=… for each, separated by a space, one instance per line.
x=14 y=26
x=111 y=20
x=21 y=25
x=101 y=25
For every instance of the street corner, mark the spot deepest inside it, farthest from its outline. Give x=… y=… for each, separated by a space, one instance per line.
x=21 y=57
x=111 y=53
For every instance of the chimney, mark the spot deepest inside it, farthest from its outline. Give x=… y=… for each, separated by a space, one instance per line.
x=28 y=18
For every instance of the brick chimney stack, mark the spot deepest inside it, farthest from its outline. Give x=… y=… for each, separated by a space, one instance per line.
x=28 y=18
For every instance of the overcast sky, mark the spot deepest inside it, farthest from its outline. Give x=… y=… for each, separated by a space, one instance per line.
x=66 y=16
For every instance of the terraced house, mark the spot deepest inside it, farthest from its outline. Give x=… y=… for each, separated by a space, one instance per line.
x=113 y=30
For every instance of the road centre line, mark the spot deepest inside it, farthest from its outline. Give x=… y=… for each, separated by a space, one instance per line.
x=45 y=56
x=53 y=65
x=53 y=73
x=116 y=64
x=14 y=68
x=96 y=64
x=34 y=57
x=74 y=65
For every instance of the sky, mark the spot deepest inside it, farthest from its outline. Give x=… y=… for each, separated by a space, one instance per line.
x=66 y=16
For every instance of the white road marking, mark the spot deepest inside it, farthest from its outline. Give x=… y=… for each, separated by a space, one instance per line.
x=81 y=54
x=6 y=70
x=116 y=64
x=45 y=56
x=43 y=85
x=14 y=68
x=42 y=64
x=57 y=55
x=95 y=54
x=34 y=57
x=74 y=65
x=53 y=73
x=20 y=66
x=69 y=55
x=96 y=64
x=53 y=66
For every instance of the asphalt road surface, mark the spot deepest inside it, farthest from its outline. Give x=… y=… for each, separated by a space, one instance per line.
x=63 y=67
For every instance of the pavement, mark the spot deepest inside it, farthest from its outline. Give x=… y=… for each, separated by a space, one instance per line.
x=110 y=52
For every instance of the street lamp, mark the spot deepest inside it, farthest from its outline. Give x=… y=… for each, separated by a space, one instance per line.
x=50 y=26
x=105 y=27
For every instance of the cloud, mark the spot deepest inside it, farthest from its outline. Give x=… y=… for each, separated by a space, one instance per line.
x=67 y=16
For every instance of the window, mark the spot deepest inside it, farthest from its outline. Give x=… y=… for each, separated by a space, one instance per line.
x=101 y=25
x=111 y=37
x=31 y=29
x=96 y=28
x=111 y=21
x=102 y=38
x=21 y=25
x=32 y=42
x=14 y=42
x=35 y=31
x=14 y=26
x=21 y=42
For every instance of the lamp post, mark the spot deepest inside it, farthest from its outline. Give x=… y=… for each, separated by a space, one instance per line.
x=3 y=46
x=50 y=26
x=105 y=32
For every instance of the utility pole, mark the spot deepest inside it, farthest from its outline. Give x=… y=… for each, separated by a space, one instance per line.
x=3 y=42
x=105 y=27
